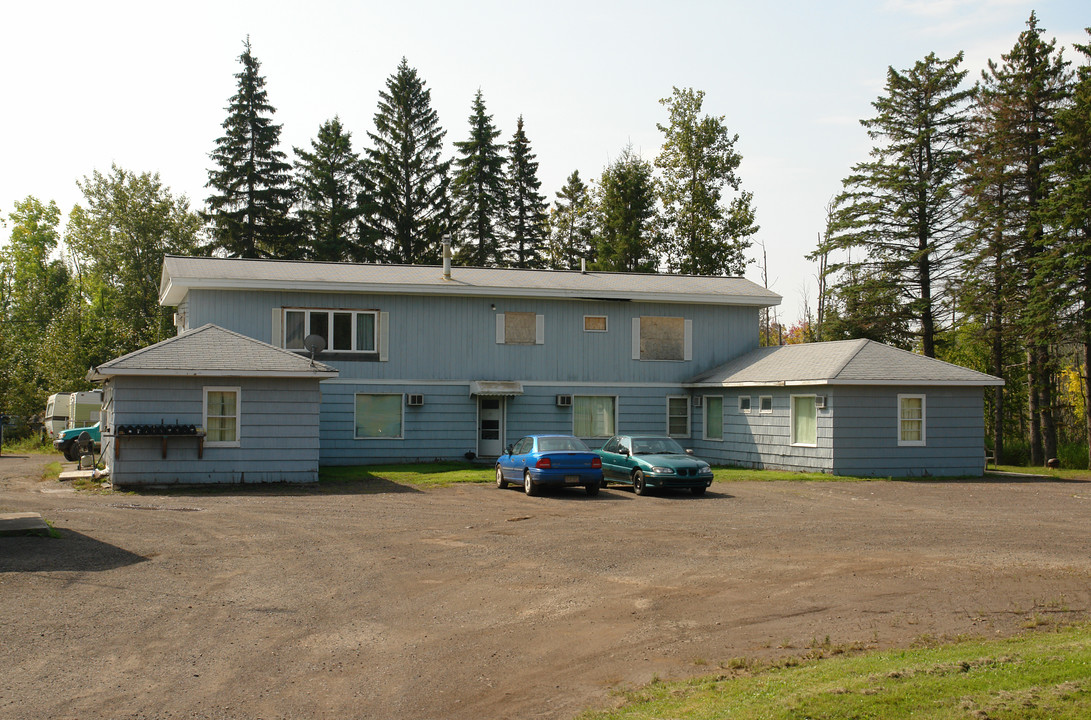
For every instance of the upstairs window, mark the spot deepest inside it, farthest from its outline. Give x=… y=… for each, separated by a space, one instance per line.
x=520 y=328
x=662 y=338
x=594 y=323
x=343 y=330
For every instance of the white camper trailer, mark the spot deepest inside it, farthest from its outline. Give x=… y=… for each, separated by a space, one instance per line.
x=56 y=414
x=84 y=408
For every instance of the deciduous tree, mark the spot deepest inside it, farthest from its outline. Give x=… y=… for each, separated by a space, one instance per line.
x=628 y=235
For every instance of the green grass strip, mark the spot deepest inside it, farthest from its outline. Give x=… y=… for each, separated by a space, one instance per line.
x=1037 y=675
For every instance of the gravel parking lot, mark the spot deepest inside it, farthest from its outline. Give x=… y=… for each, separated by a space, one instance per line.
x=382 y=601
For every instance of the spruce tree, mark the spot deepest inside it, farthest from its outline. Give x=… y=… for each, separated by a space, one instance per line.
x=571 y=226
x=248 y=210
x=330 y=198
x=628 y=236
x=479 y=191
x=404 y=173
x=698 y=161
x=1022 y=95
x=527 y=221
x=903 y=208
x=1070 y=212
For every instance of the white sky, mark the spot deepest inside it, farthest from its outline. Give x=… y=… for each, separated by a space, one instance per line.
x=145 y=84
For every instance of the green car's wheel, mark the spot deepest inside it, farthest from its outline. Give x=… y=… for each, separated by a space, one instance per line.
x=500 y=481
x=698 y=491
x=528 y=485
x=639 y=485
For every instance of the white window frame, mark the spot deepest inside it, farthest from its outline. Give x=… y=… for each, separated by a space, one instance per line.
x=605 y=322
x=792 y=421
x=401 y=420
x=615 y=428
x=749 y=404
x=924 y=420
x=761 y=404
x=704 y=418
x=237 y=442
x=689 y=415
x=376 y=324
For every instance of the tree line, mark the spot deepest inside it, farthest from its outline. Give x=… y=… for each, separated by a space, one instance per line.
x=77 y=296
x=966 y=235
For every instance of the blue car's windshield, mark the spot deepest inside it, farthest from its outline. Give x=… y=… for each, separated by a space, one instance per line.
x=656 y=446
x=560 y=444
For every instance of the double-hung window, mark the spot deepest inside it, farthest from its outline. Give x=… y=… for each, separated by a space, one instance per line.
x=221 y=416
x=911 y=419
x=678 y=416
x=353 y=331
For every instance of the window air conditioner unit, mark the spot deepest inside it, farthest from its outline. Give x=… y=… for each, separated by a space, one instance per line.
x=698 y=400
x=564 y=401
x=415 y=400
x=820 y=401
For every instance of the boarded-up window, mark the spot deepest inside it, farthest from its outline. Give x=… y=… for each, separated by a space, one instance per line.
x=662 y=338
x=594 y=323
x=519 y=328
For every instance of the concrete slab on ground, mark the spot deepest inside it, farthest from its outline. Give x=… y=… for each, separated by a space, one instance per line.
x=22 y=523
x=76 y=475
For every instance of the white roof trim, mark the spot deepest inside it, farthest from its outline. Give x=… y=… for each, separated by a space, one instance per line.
x=95 y=374
x=889 y=383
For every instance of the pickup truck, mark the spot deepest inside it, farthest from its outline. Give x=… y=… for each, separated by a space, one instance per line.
x=66 y=441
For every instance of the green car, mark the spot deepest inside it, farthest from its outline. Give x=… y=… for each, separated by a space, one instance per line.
x=652 y=461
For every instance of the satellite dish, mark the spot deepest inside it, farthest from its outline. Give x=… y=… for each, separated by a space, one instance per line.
x=314 y=345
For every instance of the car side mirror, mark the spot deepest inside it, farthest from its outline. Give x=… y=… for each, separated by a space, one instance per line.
x=689 y=451
x=510 y=448
x=623 y=451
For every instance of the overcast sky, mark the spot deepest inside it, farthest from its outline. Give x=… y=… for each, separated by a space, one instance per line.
x=144 y=84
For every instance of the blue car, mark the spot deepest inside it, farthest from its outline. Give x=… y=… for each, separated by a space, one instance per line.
x=557 y=460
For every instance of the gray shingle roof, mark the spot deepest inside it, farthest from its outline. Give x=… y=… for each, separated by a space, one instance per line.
x=182 y=273
x=843 y=362
x=212 y=351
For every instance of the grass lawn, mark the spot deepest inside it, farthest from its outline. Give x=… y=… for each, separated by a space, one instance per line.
x=1037 y=675
x=437 y=474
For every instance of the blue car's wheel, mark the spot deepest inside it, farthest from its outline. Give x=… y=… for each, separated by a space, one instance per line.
x=640 y=487
x=528 y=485
x=500 y=481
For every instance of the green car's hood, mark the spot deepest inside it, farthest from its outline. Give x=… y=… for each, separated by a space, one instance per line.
x=668 y=460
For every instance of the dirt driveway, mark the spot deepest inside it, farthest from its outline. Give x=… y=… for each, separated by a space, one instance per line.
x=473 y=602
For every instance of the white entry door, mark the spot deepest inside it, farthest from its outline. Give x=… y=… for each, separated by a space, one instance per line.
x=490 y=426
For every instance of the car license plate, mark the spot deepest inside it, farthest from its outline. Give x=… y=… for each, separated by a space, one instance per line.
x=571 y=479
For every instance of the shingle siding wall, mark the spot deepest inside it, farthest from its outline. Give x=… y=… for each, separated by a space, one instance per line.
x=764 y=440
x=455 y=338
x=445 y=427
x=866 y=424
x=279 y=432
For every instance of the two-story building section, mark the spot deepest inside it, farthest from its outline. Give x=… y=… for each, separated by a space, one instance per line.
x=437 y=362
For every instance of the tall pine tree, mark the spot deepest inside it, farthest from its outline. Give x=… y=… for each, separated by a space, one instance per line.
x=527 y=208
x=330 y=198
x=248 y=210
x=405 y=173
x=903 y=208
x=628 y=237
x=571 y=226
x=1024 y=93
x=479 y=191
